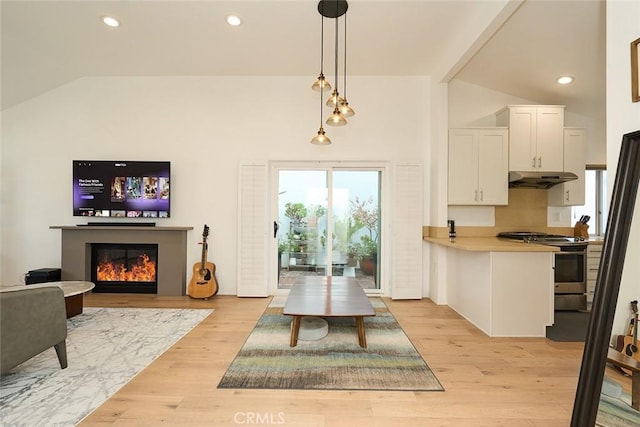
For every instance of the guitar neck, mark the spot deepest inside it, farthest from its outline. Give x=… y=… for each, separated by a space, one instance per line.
x=634 y=321
x=203 y=261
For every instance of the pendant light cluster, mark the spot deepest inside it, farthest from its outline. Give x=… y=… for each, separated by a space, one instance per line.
x=332 y=9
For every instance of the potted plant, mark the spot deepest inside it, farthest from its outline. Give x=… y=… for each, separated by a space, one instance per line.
x=283 y=255
x=365 y=214
x=324 y=237
x=315 y=212
x=352 y=255
x=319 y=211
x=367 y=252
x=296 y=212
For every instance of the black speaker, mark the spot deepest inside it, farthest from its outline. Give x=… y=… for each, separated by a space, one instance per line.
x=43 y=275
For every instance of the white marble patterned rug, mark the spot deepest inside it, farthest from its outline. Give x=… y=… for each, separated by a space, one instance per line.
x=106 y=348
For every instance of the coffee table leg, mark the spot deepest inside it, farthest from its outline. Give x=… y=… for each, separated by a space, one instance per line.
x=295 y=329
x=362 y=339
x=73 y=305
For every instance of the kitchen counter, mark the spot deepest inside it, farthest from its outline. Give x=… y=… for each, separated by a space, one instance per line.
x=503 y=287
x=490 y=244
x=596 y=240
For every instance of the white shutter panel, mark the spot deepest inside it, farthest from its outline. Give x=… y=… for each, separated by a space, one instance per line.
x=252 y=231
x=406 y=265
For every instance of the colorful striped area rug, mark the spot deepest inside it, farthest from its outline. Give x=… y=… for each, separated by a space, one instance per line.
x=335 y=362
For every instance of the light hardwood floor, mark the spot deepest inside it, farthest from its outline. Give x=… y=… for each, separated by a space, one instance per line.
x=488 y=381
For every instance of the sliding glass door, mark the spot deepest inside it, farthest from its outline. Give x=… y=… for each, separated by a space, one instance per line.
x=302 y=224
x=328 y=224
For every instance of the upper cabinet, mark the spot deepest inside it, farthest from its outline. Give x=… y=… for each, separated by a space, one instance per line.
x=572 y=192
x=478 y=166
x=535 y=136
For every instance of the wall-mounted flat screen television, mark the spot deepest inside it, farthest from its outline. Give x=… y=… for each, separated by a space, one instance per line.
x=126 y=189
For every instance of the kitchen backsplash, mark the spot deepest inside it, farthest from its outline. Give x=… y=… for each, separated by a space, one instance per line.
x=526 y=211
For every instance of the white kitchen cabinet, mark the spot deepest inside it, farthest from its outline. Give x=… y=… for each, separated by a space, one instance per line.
x=594 y=252
x=571 y=193
x=535 y=136
x=478 y=166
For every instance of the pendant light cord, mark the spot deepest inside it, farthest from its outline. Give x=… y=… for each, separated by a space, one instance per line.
x=345 y=57
x=336 y=53
x=321 y=100
x=321 y=62
x=321 y=44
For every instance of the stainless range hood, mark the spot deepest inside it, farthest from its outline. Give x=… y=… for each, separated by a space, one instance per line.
x=539 y=179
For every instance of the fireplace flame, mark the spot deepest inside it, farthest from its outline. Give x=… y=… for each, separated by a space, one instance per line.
x=143 y=271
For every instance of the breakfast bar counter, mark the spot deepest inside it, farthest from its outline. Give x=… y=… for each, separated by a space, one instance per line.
x=490 y=244
x=505 y=288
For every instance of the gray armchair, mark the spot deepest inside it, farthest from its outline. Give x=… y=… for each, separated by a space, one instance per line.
x=31 y=321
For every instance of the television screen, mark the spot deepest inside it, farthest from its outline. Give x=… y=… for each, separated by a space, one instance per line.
x=127 y=189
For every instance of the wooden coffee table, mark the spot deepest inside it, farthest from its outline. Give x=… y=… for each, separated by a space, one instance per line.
x=327 y=297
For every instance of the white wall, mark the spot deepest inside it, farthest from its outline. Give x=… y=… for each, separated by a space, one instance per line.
x=204 y=126
x=623 y=116
x=471 y=105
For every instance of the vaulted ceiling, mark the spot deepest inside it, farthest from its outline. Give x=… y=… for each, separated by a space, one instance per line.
x=45 y=44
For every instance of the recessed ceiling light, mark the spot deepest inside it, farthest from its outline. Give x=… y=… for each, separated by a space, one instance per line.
x=234 y=20
x=564 y=80
x=110 y=21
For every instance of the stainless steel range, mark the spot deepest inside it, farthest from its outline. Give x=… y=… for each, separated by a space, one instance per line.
x=570 y=266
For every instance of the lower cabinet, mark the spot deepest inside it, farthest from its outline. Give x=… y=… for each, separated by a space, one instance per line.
x=504 y=294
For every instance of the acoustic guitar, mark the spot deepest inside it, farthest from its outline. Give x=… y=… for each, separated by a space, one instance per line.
x=203 y=282
x=628 y=345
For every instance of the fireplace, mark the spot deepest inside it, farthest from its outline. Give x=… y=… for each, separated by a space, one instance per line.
x=124 y=267
x=77 y=242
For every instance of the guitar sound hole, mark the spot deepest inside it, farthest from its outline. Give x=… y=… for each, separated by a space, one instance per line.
x=205 y=273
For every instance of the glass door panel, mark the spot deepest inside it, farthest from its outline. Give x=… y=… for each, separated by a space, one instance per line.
x=329 y=225
x=356 y=221
x=302 y=220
